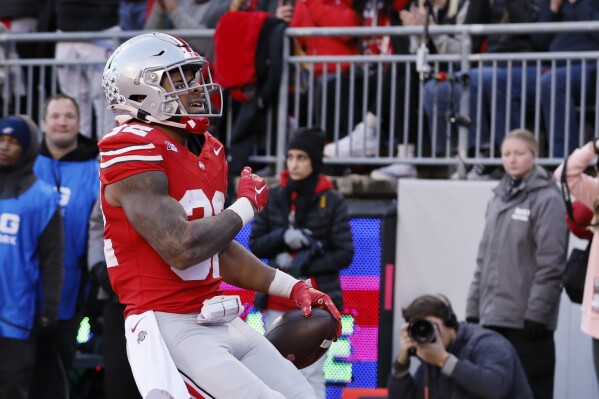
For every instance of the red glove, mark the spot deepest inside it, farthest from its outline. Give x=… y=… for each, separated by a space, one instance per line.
x=305 y=296
x=252 y=187
x=582 y=214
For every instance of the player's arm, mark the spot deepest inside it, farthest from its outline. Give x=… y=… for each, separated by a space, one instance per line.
x=241 y=268
x=162 y=221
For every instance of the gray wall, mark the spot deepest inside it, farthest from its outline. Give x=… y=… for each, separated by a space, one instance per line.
x=440 y=223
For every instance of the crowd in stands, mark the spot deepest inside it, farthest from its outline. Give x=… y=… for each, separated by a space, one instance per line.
x=365 y=112
x=357 y=120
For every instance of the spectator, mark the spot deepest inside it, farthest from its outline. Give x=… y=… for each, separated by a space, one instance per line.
x=16 y=16
x=586 y=190
x=329 y=13
x=249 y=50
x=490 y=82
x=443 y=12
x=188 y=14
x=67 y=162
x=83 y=83
x=118 y=379
x=459 y=360
x=389 y=113
x=436 y=93
x=132 y=14
x=560 y=99
x=30 y=250
x=169 y=240
x=304 y=231
x=507 y=80
x=521 y=260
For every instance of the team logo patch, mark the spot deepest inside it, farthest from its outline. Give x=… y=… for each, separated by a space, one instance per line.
x=141 y=336
x=170 y=146
x=201 y=165
x=521 y=214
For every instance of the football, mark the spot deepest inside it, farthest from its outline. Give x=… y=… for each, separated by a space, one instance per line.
x=303 y=340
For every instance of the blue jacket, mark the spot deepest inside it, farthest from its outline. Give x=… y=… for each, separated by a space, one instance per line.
x=76 y=177
x=22 y=221
x=487 y=368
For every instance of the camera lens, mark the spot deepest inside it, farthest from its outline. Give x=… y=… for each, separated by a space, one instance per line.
x=422 y=331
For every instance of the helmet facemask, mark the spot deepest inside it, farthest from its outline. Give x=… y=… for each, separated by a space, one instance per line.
x=201 y=99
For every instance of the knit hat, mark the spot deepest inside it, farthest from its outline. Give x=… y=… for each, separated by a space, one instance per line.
x=311 y=140
x=16 y=127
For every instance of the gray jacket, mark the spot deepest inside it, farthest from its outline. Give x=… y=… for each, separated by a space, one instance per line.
x=522 y=255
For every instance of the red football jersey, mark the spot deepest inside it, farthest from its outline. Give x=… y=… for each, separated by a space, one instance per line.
x=140 y=277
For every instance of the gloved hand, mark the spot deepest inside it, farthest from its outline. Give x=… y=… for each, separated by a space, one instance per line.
x=298 y=265
x=254 y=188
x=283 y=260
x=534 y=329
x=305 y=296
x=295 y=239
x=44 y=321
x=472 y=320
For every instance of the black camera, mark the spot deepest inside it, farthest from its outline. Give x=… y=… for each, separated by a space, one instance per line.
x=422 y=331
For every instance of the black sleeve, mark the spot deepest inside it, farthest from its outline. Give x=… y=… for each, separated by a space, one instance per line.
x=339 y=251
x=522 y=11
x=51 y=249
x=479 y=12
x=542 y=41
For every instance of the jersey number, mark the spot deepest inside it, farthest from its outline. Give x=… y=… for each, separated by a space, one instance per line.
x=194 y=199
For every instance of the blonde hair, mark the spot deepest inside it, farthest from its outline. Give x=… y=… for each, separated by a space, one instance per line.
x=527 y=137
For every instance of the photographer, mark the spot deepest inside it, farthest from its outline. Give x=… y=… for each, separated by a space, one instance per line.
x=304 y=231
x=459 y=360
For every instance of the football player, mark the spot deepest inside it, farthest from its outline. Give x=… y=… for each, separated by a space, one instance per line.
x=169 y=242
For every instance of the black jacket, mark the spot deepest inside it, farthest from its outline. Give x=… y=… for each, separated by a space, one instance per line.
x=327 y=218
x=13 y=9
x=513 y=11
x=86 y=15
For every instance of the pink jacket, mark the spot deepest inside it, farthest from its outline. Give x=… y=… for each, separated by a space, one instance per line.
x=586 y=189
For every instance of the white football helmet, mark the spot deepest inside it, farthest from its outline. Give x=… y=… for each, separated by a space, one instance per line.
x=132 y=83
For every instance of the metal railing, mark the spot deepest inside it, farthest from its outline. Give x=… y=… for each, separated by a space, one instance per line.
x=344 y=104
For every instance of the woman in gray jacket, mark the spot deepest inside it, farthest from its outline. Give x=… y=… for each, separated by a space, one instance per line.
x=521 y=260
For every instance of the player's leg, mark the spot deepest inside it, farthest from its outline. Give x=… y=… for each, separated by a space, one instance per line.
x=265 y=361
x=207 y=358
x=313 y=373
